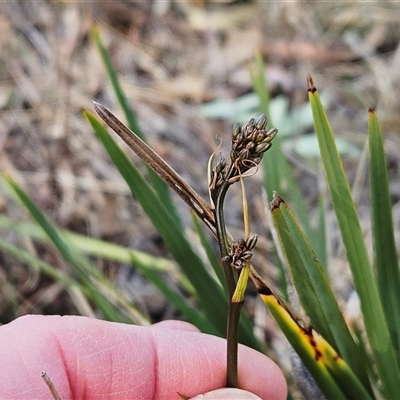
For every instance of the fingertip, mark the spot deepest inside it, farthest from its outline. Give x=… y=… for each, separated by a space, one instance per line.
x=260 y=375
x=195 y=363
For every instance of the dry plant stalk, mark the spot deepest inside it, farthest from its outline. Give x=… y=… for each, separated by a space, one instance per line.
x=51 y=386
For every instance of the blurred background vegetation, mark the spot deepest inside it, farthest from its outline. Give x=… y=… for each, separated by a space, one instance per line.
x=184 y=67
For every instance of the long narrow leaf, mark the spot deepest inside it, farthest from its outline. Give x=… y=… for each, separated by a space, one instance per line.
x=90 y=276
x=212 y=257
x=100 y=248
x=87 y=245
x=331 y=373
x=314 y=290
x=320 y=242
x=353 y=240
x=41 y=266
x=278 y=174
x=386 y=261
x=122 y=100
x=159 y=186
x=176 y=299
x=78 y=292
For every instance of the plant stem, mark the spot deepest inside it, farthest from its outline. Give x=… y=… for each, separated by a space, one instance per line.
x=234 y=308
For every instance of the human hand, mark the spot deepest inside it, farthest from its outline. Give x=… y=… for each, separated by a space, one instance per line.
x=89 y=358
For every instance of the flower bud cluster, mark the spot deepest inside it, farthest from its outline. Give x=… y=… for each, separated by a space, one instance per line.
x=241 y=251
x=218 y=173
x=250 y=141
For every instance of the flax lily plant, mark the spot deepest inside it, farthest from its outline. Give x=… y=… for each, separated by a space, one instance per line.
x=344 y=364
x=337 y=362
x=249 y=143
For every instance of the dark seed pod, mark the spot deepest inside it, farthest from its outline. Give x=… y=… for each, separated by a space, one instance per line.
x=251 y=241
x=235 y=131
x=249 y=127
x=261 y=122
x=259 y=137
x=250 y=123
x=247 y=255
x=220 y=163
x=239 y=139
x=262 y=147
x=270 y=135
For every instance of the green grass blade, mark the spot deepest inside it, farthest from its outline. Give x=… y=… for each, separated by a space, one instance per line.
x=353 y=240
x=99 y=248
x=271 y=178
x=346 y=379
x=112 y=75
x=88 y=245
x=278 y=174
x=78 y=292
x=314 y=290
x=160 y=187
x=330 y=371
x=151 y=267
x=301 y=344
x=386 y=262
x=90 y=276
x=320 y=242
x=212 y=257
x=176 y=299
x=41 y=266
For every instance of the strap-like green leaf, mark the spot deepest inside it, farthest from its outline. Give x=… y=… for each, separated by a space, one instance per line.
x=333 y=376
x=90 y=276
x=386 y=261
x=278 y=174
x=174 y=297
x=314 y=290
x=357 y=255
x=159 y=186
x=211 y=255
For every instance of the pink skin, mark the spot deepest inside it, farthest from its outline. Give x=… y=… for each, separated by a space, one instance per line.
x=92 y=359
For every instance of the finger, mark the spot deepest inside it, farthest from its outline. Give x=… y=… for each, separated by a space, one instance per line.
x=177 y=325
x=88 y=358
x=202 y=359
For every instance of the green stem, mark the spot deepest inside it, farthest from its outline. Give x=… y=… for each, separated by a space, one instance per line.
x=222 y=237
x=234 y=308
x=232 y=338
